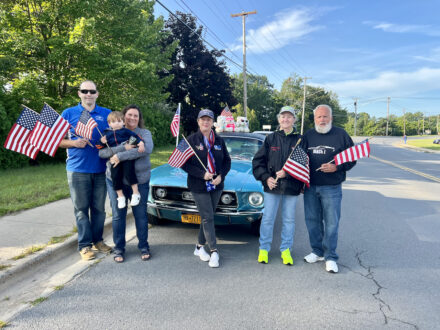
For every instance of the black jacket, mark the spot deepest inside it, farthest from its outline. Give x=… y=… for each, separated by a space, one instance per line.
x=321 y=149
x=196 y=172
x=271 y=158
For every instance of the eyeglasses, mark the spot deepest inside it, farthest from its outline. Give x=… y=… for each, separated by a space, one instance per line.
x=85 y=91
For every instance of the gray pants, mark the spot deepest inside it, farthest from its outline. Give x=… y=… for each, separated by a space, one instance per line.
x=206 y=204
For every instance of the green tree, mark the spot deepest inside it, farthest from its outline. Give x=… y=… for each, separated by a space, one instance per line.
x=199 y=76
x=48 y=47
x=262 y=98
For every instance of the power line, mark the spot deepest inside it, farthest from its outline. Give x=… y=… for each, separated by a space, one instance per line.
x=207 y=42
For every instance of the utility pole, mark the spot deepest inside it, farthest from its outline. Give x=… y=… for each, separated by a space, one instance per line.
x=437 y=123
x=388 y=113
x=243 y=15
x=304 y=104
x=355 y=115
x=404 y=123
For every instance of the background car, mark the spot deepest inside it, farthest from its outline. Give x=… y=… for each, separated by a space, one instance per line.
x=262 y=132
x=436 y=141
x=242 y=199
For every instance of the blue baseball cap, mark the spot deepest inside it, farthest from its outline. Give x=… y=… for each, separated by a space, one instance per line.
x=207 y=113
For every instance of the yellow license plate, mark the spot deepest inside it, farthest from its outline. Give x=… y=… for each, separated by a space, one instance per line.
x=191 y=218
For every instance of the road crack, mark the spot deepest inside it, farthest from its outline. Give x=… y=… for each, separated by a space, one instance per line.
x=384 y=307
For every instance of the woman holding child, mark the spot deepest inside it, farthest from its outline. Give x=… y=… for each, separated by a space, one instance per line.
x=134 y=122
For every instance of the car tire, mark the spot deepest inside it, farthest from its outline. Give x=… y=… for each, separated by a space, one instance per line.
x=255 y=227
x=155 y=220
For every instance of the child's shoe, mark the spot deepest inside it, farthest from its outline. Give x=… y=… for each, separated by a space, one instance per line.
x=135 y=198
x=121 y=202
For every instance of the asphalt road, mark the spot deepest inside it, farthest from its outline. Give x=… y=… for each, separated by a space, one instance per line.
x=389 y=276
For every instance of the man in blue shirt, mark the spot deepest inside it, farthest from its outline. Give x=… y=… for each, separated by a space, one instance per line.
x=86 y=172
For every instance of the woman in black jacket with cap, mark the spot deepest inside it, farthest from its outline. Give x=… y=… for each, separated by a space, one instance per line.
x=206 y=182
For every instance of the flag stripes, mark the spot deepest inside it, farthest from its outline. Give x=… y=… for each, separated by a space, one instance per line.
x=85 y=125
x=181 y=154
x=175 y=123
x=351 y=154
x=48 y=131
x=17 y=139
x=297 y=166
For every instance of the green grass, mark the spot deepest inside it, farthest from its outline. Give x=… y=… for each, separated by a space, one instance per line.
x=30 y=187
x=3 y=267
x=3 y=324
x=59 y=287
x=29 y=251
x=59 y=239
x=424 y=143
x=38 y=300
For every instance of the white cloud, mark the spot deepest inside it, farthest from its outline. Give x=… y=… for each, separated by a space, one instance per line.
x=433 y=57
x=287 y=27
x=390 y=83
x=402 y=28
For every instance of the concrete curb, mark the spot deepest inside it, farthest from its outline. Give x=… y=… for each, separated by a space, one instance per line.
x=22 y=267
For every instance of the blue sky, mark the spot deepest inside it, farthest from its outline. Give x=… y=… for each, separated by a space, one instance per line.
x=368 y=50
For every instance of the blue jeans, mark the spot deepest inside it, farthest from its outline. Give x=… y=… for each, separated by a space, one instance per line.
x=271 y=205
x=322 y=208
x=120 y=216
x=87 y=191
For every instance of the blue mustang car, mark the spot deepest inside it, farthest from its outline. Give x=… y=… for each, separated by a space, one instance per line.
x=242 y=199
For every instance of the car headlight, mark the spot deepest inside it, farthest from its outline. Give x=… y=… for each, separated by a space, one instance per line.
x=256 y=199
x=161 y=192
x=226 y=199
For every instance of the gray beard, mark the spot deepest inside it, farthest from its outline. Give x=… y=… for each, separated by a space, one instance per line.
x=325 y=129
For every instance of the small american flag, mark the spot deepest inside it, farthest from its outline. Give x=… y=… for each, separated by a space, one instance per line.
x=17 y=139
x=298 y=166
x=353 y=153
x=226 y=112
x=175 y=123
x=85 y=125
x=48 y=131
x=181 y=154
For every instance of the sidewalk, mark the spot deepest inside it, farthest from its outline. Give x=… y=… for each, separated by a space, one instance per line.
x=36 y=227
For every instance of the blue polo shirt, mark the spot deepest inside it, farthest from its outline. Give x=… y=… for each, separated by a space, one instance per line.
x=86 y=160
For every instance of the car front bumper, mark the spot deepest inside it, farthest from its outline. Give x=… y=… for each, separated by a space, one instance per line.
x=221 y=217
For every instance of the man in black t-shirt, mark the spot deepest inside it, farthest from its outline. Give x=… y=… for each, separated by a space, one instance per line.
x=322 y=201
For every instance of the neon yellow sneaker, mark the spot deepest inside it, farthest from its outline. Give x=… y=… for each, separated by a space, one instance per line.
x=287 y=258
x=263 y=257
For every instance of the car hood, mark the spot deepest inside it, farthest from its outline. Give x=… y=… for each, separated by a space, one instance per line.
x=239 y=177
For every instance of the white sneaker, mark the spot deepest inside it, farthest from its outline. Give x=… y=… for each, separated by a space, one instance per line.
x=213 y=262
x=312 y=258
x=201 y=253
x=331 y=266
x=121 y=202
x=135 y=198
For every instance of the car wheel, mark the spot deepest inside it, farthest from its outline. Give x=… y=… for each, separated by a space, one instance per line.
x=155 y=220
x=255 y=228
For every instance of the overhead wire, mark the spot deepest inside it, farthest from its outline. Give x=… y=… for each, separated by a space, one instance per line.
x=207 y=42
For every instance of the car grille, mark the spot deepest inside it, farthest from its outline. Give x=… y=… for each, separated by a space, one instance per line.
x=182 y=197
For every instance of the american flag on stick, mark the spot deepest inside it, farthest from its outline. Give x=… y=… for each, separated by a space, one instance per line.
x=181 y=154
x=17 y=139
x=48 y=131
x=226 y=112
x=85 y=125
x=351 y=154
x=297 y=166
x=175 y=123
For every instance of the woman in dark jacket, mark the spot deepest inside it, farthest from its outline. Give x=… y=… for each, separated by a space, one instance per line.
x=279 y=187
x=206 y=182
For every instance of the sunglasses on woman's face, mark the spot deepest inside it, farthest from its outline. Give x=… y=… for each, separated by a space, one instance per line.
x=86 y=91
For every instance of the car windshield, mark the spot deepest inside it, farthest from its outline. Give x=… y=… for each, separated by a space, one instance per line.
x=242 y=148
